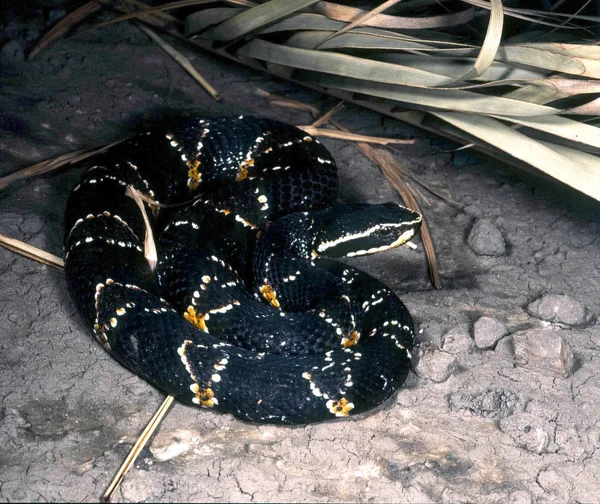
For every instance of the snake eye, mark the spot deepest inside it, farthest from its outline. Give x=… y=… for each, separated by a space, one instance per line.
x=385 y=231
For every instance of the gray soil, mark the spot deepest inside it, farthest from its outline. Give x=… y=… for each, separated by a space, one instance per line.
x=503 y=403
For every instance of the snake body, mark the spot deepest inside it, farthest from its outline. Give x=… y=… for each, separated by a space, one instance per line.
x=246 y=312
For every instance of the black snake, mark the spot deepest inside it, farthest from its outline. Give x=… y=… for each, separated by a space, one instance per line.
x=245 y=313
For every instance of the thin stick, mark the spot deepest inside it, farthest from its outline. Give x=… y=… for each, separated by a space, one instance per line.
x=182 y=60
x=52 y=164
x=31 y=252
x=64 y=25
x=328 y=115
x=354 y=137
x=138 y=447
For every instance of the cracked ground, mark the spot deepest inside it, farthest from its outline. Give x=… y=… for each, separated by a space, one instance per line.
x=475 y=422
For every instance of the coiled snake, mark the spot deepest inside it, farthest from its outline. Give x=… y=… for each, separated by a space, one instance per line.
x=246 y=312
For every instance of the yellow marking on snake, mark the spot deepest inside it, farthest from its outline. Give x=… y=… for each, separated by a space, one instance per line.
x=243 y=169
x=204 y=396
x=351 y=339
x=270 y=295
x=199 y=321
x=340 y=408
x=194 y=175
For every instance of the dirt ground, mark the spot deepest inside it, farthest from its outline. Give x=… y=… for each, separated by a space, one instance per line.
x=503 y=406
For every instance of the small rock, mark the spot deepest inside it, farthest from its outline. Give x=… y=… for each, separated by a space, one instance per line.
x=487 y=331
x=558 y=308
x=457 y=340
x=473 y=211
x=486 y=239
x=528 y=431
x=491 y=403
x=544 y=351
x=435 y=364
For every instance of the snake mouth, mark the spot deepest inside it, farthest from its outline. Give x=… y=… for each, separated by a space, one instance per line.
x=404 y=237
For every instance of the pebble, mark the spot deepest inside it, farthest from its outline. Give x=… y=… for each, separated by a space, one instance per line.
x=485 y=239
x=544 y=351
x=493 y=403
x=487 y=331
x=435 y=364
x=558 y=308
x=457 y=340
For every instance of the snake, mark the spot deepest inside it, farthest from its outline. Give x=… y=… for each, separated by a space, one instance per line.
x=251 y=307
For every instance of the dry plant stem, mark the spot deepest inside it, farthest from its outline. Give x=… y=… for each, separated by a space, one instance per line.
x=182 y=60
x=328 y=115
x=141 y=13
x=64 y=25
x=52 y=164
x=160 y=15
x=353 y=137
x=31 y=252
x=138 y=447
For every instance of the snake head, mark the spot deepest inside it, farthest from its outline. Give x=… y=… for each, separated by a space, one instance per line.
x=355 y=230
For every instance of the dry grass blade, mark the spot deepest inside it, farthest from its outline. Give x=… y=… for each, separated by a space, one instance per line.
x=141 y=6
x=52 y=164
x=328 y=115
x=584 y=178
x=442 y=99
x=288 y=102
x=64 y=25
x=340 y=64
x=32 y=252
x=138 y=447
x=182 y=60
x=491 y=43
x=563 y=127
x=150 y=252
x=349 y=14
x=255 y=18
x=353 y=137
x=142 y=13
x=362 y=19
x=537 y=16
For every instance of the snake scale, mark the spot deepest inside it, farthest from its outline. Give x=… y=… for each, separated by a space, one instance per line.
x=247 y=312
